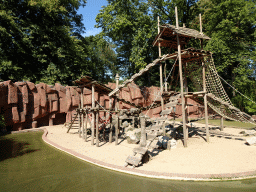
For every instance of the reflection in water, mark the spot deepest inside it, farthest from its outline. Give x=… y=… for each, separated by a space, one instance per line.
x=49 y=169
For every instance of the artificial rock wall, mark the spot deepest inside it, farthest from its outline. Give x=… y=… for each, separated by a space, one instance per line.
x=26 y=105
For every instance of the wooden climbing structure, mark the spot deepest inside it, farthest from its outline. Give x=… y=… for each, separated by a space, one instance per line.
x=195 y=64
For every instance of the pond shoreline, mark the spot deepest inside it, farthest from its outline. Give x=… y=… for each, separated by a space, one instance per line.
x=148 y=173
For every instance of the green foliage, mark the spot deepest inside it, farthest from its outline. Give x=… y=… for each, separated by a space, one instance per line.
x=231 y=26
x=102 y=58
x=39 y=34
x=132 y=26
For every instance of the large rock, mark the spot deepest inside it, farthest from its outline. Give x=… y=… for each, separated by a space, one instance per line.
x=251 y=141
x=133 y=136
x=163 y=142
x=249 y=132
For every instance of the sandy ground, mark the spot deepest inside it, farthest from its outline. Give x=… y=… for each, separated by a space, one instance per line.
x=218 y=156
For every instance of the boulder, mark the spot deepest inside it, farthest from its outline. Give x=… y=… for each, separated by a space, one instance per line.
x=172 y=144
x=249 y=132
x=163 y=142
x=251 y=141
x=133 y=137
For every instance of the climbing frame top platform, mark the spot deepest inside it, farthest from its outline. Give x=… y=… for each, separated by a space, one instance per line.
x=87 y=82
x=190 y=54
x=167 y=36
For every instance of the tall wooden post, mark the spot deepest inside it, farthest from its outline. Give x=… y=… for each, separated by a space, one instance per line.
x=186 y=90
x=111 y=130
x=160 y=66
x=221 y=123
x=205 y=105
x=86 y=121
x=97 y=126
x=181 y=85
x=165 y=82
x=200 y=20
x=79 y=120
x=116 y=131
x=117 y=109
x=117 y=94
x=82 y=107
x=201 y=30
x=93 y=114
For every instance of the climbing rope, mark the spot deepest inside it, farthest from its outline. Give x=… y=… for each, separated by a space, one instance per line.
x=236 y=89
x=164 y=82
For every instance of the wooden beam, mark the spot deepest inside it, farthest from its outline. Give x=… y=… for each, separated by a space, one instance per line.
x=86 y=120
x=205 y=105
x=117 y=94
x=79 y=121
x=93 y=115
x=160 y=66
x=181 y=86
x=82 y=106
x=221 y=123
x=116 y=131
x=177 y=20
x=165 y=82
x=200 y=20
x=111 y=130
x=186 y=90
x=97 y=127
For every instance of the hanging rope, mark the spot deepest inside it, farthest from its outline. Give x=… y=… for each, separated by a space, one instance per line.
x=164 y=82
x=236 y=89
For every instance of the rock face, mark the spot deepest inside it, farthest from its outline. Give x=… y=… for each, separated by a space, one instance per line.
x=25 y=104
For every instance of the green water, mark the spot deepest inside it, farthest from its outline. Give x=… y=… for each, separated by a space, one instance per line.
x=28 y=164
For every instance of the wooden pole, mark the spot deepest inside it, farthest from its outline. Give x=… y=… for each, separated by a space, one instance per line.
x=117 y=109
x=181 y=86
x=86 y=120
x=165 y=82
x=143 y=140
x=221 y=124
x=116 y=131
x=110 y=131
x=186 y=90
x=160 y=67
x=79 y=121
x=117 y=94
x=82 y=104
x=93 y=115
x=222 y=118
x=97 y=126
x=176 y=14
x=201 y=30
x=200 y=20
x=205 y=105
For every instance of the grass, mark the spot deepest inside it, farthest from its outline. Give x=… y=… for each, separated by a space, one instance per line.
x=235 y=124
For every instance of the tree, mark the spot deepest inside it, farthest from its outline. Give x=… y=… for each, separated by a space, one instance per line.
x=41 y=41
x=132 y=26
x=102 y=58
x=231 y=26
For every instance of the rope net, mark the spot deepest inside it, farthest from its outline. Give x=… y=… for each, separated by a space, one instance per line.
x=217 y=99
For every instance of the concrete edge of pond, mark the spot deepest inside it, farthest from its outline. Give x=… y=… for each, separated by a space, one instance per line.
x=151 y=174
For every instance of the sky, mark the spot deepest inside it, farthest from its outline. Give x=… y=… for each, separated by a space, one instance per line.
x=89 y=13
